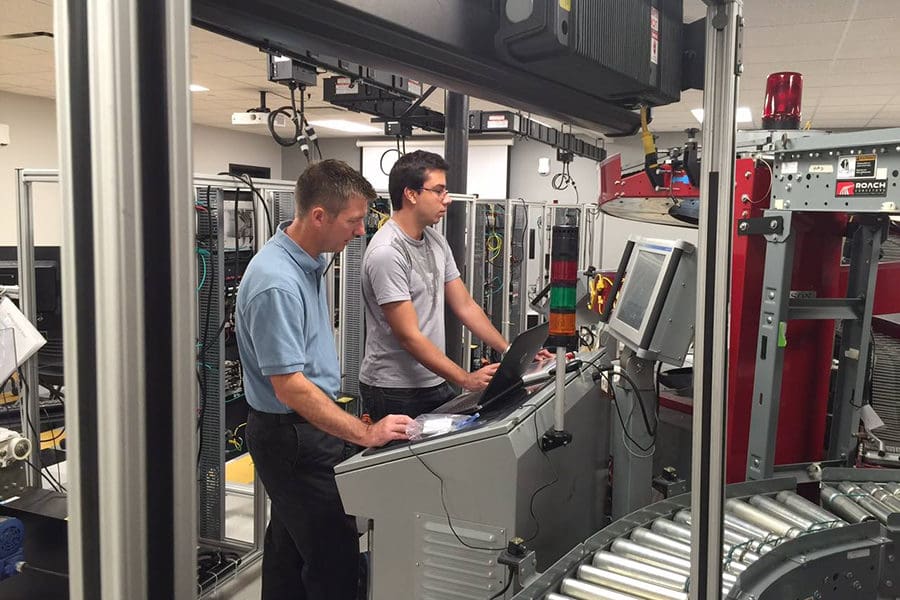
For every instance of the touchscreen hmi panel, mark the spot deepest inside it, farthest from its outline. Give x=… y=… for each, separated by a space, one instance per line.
x=642 y=278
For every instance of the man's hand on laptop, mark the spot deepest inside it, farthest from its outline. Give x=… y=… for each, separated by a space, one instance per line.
x=478 y=380
x=544 y=354
x=388 y=429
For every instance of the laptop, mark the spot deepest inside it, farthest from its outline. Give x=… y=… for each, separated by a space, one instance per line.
x=507 y=381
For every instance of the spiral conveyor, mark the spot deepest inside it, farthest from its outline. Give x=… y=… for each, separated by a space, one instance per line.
x=777 y=545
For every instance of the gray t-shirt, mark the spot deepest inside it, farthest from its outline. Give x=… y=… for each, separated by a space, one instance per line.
x=397 y=267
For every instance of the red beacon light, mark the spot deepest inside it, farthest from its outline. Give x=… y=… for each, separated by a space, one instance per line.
x=781 y=109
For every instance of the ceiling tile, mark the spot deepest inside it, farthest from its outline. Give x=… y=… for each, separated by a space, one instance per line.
x=879 y=122
x=877 y=9
x=780 y=12
x=854 y=100
x=849 y=70
x=788 y=33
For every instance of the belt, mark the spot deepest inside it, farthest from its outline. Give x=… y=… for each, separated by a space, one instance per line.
x=290 y=418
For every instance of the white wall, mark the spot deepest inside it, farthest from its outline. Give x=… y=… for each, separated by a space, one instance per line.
x=33 y=144
x=488 y=163
x=32 y=137
x=293 y=162
x=214 y=148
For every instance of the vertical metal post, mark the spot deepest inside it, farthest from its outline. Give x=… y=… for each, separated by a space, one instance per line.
x=559 y=399
x=260 y=514
x=633 y=465
x=723 y=34
x=118 y=241
x=509 y=219
x=125 y=158
x=181 y=413
x=456 y=152
x=73 y=97
x=773 y=325
x=468 y=267
x=31 y=410
x=864 y=255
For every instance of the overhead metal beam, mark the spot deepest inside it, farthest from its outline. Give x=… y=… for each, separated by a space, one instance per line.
x=448 y=43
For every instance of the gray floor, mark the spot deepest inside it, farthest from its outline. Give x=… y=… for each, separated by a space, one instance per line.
x=246 y=585
x=239 y=525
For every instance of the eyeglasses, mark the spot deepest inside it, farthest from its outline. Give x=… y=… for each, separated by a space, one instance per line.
x=438 y=189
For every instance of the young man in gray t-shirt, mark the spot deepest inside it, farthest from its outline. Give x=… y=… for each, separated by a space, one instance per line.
x=408 y=275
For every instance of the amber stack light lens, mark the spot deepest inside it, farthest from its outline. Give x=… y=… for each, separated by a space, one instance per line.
x=563 y=279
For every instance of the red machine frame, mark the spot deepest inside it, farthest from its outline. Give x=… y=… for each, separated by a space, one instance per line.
x=803 y=415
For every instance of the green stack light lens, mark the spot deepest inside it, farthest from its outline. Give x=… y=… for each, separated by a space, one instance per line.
x=562 y=298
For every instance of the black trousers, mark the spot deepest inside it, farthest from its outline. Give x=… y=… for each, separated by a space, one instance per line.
x=412 y=402
x=311 y=547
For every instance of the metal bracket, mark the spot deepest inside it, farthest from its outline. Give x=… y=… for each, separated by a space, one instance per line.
x=761 y=226
x=869 y=220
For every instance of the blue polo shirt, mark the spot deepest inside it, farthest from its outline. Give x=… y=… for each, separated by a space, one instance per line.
x=283 y=323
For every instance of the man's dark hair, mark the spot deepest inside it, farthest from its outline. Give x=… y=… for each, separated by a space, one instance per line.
x=330 y=184
x=410 y=171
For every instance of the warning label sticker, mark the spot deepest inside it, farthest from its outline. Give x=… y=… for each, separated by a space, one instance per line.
x=876 y=188
x=865 y=165
x=846 y=167
x=654 y=35
x=856 y=167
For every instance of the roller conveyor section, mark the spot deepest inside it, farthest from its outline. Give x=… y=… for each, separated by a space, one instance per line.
x=768 y=537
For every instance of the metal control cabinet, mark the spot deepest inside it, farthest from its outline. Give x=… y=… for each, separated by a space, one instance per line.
x=489 y=476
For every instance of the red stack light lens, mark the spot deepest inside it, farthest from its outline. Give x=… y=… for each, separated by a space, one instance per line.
x=784 y=92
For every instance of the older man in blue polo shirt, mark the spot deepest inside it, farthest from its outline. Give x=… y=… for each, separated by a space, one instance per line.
x=295 y=432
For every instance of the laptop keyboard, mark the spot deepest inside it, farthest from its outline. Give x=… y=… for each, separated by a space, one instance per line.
x=463 y=402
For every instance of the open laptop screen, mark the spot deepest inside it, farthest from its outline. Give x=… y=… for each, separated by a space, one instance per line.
x=508 y=377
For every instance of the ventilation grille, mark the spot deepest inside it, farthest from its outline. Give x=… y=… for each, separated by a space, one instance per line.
x=629 y=24
x=891 y=249
x=352 y=317
x=449 y=570
x=885 y=386
x=516 y=263
x=282 y=206
x=211 y=493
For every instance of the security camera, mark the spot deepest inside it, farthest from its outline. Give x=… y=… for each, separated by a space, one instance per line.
x=4 y=135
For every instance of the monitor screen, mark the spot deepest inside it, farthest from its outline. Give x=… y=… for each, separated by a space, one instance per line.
x=641 y=280
x=48 y=303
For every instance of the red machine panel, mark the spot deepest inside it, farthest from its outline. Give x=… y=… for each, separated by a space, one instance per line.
x=816 y=270
x=807 y=358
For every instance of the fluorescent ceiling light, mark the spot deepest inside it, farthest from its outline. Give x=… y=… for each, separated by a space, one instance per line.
x=195 y=87
x=741 y=116
x=343 y=125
